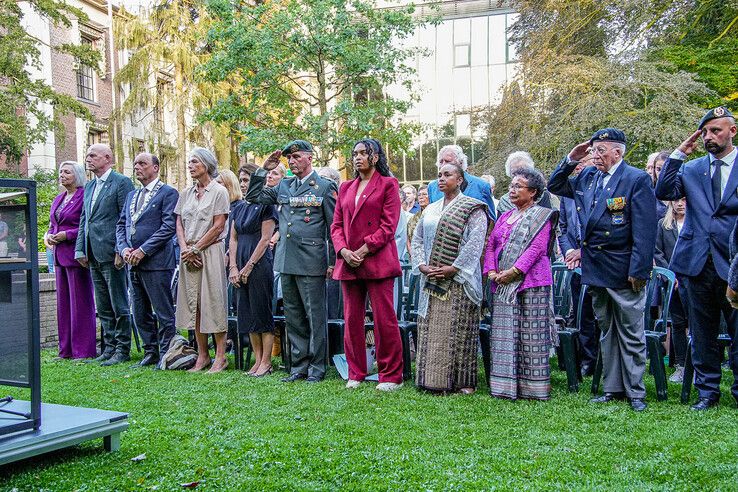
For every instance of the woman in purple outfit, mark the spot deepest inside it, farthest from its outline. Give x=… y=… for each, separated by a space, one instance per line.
x=518 y=266
x=75 y=306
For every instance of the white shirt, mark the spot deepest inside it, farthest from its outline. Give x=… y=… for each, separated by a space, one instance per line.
x=725 y=169
x=99 y=182
x=607 y=175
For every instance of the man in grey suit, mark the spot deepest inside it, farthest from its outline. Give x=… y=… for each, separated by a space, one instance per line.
x=304 y=255
x=145 y=231
x=103 y=201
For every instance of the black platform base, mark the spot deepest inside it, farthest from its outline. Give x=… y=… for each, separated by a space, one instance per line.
x=61 y=427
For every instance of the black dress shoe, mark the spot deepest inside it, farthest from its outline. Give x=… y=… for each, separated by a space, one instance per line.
x=149 y=360
x=103 y=357
x=607 y=398
x=293 y=377
x=637 y=404
x=704 y=404
x=315 y=379
x=116 y=359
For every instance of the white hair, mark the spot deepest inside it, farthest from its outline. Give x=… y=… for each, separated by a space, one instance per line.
x=519 y=156
x=490 y=179
x=80 y=179
x=207 y=158
x=458 y=152
x=620 y=146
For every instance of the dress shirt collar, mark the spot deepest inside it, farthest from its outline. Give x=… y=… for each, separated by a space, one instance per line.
x=150 y=187
x=728 y=159
x=613 y=169
x=105 y=176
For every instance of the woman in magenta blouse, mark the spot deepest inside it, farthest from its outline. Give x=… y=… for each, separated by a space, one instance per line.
x=517 y=263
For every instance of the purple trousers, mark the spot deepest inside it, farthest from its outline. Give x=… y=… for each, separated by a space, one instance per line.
x=75 y=310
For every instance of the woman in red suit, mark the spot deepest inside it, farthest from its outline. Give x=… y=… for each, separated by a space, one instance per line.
x=75 y=308
x=363 y=231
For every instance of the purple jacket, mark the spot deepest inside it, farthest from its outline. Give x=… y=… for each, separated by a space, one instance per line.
x=69 y=222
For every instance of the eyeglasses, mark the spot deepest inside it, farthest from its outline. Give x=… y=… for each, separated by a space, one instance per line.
x=517 y=187
x=598 y=150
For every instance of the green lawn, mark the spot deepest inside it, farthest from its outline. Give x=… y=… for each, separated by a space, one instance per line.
x=232 y=432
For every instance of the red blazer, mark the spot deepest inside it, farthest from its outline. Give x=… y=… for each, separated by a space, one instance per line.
x=68 y=221
x=371 y=221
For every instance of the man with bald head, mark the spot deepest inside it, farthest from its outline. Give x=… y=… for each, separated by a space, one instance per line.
x=144 y=240
x=95 y=248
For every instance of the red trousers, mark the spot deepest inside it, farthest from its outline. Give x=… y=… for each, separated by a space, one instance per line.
x=386 y=331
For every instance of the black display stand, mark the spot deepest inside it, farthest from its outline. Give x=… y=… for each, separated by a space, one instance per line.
x=20 y=346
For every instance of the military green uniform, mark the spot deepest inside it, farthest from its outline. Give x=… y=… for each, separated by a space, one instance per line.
x=303 y=254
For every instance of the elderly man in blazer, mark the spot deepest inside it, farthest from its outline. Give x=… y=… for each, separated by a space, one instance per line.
x=304 y=257
x=472 y=186
x=144 y=240
x=701 y=253
x=103 y=201
x=615 y=203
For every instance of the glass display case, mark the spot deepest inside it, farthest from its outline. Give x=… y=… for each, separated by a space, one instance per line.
x=20 y=347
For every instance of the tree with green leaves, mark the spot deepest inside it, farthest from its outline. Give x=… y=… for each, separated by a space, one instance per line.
x=589 y=64
x=316 y=70
x=24 y=99
x=166 y=46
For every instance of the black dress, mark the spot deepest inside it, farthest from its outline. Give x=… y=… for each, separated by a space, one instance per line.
x=255 y=298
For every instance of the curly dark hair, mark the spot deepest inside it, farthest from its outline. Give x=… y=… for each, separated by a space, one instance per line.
x=535 y=179
x=373 y=147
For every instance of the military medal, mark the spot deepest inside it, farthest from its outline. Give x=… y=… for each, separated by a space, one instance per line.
x=618 y=218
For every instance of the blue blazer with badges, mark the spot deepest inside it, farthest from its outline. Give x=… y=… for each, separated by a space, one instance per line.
x=475 y=188
x=153 y=231
x=616 y=244
x=568 y=225
x=97 y=224
x=707 y=226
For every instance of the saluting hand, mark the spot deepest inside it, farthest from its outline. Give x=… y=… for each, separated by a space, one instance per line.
x=689 y=145
x=580 y=151
x=272 y=161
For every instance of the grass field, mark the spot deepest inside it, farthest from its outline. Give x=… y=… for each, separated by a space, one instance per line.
x=233 y=432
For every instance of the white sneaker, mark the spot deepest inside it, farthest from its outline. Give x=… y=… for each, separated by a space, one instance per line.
x=352 y=384
x=389 y=386
x=678 y=375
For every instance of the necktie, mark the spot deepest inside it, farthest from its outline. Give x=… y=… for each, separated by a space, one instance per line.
x=717 y=182
x=598 y=187
x=141 y=199
x=98 y=188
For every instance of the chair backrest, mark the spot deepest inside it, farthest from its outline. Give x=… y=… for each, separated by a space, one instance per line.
x=413 y=297
x=561 y=289
x=660 y=286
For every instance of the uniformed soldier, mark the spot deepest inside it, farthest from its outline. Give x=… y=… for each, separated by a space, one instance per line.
x=616 y=204
x=304 y=255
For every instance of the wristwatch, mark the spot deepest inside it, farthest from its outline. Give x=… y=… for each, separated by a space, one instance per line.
x=194 y=249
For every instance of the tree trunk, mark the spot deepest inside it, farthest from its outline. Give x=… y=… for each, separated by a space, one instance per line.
x=180 y=102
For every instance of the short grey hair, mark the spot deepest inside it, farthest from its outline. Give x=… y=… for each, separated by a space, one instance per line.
x=535 y=180
x=519 y=156
x=490 y=179
x=328 y=172
x=620 y=146
x=461 y=158
x=80 y=178
x=207 y=158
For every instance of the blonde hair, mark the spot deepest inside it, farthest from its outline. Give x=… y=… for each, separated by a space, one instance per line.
x=230 y=181
x=670 y=217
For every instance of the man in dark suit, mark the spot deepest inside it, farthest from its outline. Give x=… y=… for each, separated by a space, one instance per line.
x=304 y=255
x=615 y=203
x=103 y=202
x=701 y=254
x=144 y=233
x=570 y=244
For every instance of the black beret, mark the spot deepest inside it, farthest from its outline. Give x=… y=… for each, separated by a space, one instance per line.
x=297 y=146
x=608 y=135
x=719 y=112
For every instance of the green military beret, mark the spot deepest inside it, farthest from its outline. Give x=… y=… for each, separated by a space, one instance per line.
x=297 y=146
x=719 y=112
